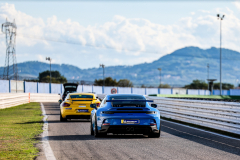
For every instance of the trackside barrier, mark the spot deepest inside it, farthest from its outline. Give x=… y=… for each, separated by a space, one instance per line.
x=4 y=86
x=41 y=97
x=223 y=116
x=8 y=100
x=13 y=99
x=12 y=86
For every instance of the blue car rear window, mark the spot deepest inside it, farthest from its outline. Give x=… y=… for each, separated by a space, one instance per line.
x=81 y=96
x=127 y=103
x=126 y=97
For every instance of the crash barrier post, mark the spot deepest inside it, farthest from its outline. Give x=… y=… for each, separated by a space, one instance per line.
x=217 y=115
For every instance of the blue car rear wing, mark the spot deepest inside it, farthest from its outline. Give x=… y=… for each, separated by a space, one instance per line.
x=129 y=100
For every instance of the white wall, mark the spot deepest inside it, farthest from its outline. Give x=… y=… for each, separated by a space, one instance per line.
x=125 y=90
x=152 y=91
x=30 y=87
x=97 y=89
x=4 y=86
x=55 y=88
x=165 y=91
x=139 y=91
x=17 y=86
x=87 y=88
x=43 y=87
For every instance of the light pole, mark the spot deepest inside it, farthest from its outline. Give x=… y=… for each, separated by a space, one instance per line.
x=102 y=65
x=49 y=59
x=220 y=18
x=160 y=69
x=208 y=74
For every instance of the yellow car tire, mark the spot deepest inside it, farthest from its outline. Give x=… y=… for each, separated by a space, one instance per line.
x=62 y=119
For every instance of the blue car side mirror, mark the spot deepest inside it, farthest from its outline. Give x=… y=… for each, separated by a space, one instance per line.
x=154 y=105
x=93 y=106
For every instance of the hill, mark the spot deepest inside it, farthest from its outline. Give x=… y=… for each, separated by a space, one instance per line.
x=178 y=68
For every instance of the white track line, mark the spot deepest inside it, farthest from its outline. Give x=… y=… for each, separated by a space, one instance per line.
x=201 y=130
x=46 y=146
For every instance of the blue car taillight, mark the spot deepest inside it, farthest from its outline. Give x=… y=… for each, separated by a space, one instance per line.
x=153 y=122
x=105 y=122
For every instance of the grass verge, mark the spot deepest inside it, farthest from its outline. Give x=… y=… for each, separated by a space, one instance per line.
x=19 y=127
x=204 y=128
x=196 y=96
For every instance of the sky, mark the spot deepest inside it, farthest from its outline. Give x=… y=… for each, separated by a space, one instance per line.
x=86 y=34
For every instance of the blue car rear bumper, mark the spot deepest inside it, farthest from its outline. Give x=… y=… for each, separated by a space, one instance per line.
x=128 y=129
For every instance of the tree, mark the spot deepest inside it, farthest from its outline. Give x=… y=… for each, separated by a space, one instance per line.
x=197 y=84
x=164 y=86
x=125 y=83
x=108 y=82
x=56 y=77
x=226 y=86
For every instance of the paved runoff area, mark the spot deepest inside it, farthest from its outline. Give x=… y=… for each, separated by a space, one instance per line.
x=72 y=140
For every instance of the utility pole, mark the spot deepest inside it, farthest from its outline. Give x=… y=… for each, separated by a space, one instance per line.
x=10 y=69
x=49 y=59
x=103 y=66
x=220 y=18
x=160 y=76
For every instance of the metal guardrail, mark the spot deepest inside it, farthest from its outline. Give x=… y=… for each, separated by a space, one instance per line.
x=223 y=116
x=8 y=100
x=13 y=99
x=207 y=99
x=44 y=97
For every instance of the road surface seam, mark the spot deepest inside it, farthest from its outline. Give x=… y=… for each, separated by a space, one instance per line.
x=201 y=130
x=46 y=146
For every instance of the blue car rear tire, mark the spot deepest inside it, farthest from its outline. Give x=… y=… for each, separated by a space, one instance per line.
x=96 y=134
x=155 y=135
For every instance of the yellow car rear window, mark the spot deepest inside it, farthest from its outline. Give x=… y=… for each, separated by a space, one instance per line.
x=81 y=96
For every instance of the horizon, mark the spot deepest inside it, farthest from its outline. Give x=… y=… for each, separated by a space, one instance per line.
x=125 y=65
x=178 y=68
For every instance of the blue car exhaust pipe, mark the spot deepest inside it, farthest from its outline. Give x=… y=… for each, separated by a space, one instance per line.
x=130 y=129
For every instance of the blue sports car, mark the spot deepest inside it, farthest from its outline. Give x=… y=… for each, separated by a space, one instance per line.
x=125 y=114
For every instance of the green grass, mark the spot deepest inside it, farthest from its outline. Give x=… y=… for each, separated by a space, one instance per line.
x=196 y=96
x=19 y=127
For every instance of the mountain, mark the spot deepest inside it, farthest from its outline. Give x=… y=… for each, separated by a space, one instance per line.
x=178 y=68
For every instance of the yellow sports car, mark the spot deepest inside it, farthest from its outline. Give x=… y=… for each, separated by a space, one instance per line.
x=77 y=106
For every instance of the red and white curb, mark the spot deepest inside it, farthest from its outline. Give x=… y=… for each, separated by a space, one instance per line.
x=46 y=146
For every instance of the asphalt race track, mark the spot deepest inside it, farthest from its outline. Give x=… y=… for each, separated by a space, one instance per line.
x=72 y=140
